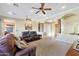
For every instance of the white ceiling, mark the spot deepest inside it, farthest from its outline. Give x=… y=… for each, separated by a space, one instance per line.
x=25 y=9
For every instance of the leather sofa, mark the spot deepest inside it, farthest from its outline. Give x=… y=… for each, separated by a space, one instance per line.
x=8 y=47
x=30 y=36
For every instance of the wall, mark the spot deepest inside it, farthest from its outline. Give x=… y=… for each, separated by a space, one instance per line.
x=2 y=26
x=49 y=28
x=77 y=25
x=53 y=29
x=69 y=24
x=35 y=26
x=19 y=26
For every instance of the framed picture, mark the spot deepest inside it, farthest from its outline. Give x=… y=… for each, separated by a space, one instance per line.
x=28 y=27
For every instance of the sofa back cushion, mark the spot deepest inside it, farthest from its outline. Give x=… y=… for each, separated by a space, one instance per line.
x=33 y=33
x=25 y=34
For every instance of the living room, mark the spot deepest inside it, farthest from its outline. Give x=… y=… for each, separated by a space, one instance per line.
x=52 y=30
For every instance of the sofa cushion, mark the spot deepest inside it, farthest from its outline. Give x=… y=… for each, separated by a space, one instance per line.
x=33 y=33
x=7 y=45
x=21 y=44
x=25 y=34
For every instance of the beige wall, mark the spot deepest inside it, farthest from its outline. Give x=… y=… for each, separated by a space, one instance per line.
x=53 y=29
x=69 y=25
x=35 y=26
x=19 y=26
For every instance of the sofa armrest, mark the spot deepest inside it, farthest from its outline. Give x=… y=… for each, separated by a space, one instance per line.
x=30 y=51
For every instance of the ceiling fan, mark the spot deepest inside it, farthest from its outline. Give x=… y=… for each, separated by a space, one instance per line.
x=42 y=8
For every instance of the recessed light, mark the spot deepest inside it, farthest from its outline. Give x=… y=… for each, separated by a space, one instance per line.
x=63 y=7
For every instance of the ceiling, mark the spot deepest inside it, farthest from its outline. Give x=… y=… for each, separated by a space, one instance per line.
x=25 y=9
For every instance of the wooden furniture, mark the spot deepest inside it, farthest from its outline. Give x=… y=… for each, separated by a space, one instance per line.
x=72 y=52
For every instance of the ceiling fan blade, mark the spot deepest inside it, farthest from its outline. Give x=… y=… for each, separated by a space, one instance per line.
x=43 y=12
x=47 y=9
x=34 y=8
x=42 y=5
x=37 y=12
